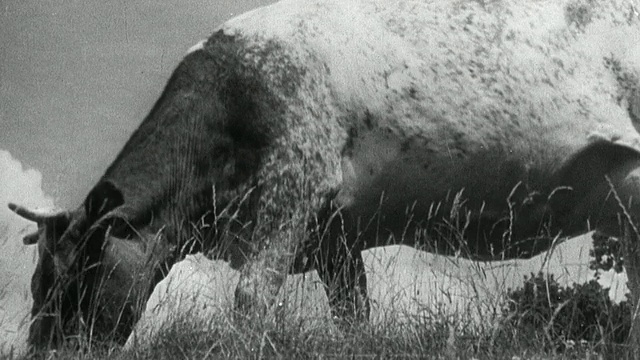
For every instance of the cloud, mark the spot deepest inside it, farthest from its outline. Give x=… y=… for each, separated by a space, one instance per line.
x=17 y=262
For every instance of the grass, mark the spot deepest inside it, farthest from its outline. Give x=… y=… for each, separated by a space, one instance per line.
x=410 y=319
x=303 y=330
x=189 y=337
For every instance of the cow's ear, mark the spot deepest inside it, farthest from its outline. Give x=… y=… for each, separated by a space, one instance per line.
x=103 y=198
x=32 y=238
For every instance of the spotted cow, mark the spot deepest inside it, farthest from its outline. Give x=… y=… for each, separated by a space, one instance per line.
x=302 y=133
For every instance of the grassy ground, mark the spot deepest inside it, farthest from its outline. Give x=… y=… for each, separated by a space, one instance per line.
x=294 y=332
x=302 y=329
x=421 y=337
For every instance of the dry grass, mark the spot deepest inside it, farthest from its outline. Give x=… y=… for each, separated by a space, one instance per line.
x=189 y=337
x=428 y=329
x=295 y=333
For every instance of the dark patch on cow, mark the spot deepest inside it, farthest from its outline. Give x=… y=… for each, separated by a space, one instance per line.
x=209 y=107
x=406 y=145
x=413 y=93
x=269 y=59
x=579 y=13
x=352 y=136
x=243 y=113
x=368 y=120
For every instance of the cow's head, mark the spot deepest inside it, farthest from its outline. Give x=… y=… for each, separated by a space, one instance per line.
x=93 y=272
x=198 y=145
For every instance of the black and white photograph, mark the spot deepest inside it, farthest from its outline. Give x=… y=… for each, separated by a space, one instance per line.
x=446 y=179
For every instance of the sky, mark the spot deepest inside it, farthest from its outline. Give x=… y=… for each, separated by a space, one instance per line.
x=76 y=78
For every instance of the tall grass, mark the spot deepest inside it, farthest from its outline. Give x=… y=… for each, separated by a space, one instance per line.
x=426 y=331
x=408 y=322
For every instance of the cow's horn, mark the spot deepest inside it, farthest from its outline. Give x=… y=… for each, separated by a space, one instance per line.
x=29 y=214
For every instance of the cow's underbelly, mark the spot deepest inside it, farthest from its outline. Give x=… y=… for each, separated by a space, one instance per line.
x=394 y=193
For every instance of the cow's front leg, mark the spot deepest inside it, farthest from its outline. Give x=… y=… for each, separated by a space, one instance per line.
x=261 y=278
x=280 y=226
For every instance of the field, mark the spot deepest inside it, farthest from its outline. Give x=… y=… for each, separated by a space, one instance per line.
x=424 y=306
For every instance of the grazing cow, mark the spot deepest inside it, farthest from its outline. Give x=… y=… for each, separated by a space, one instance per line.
x=300 y=134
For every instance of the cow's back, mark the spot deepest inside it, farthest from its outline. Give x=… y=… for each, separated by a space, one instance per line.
x=433 y=90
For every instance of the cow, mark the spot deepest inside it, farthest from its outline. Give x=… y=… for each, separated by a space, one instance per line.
x=302 y=133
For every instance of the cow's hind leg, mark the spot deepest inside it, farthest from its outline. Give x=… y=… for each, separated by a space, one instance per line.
x=615 y=208
x=342 y=270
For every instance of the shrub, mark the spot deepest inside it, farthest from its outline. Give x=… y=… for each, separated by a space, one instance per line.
x=558 y=317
